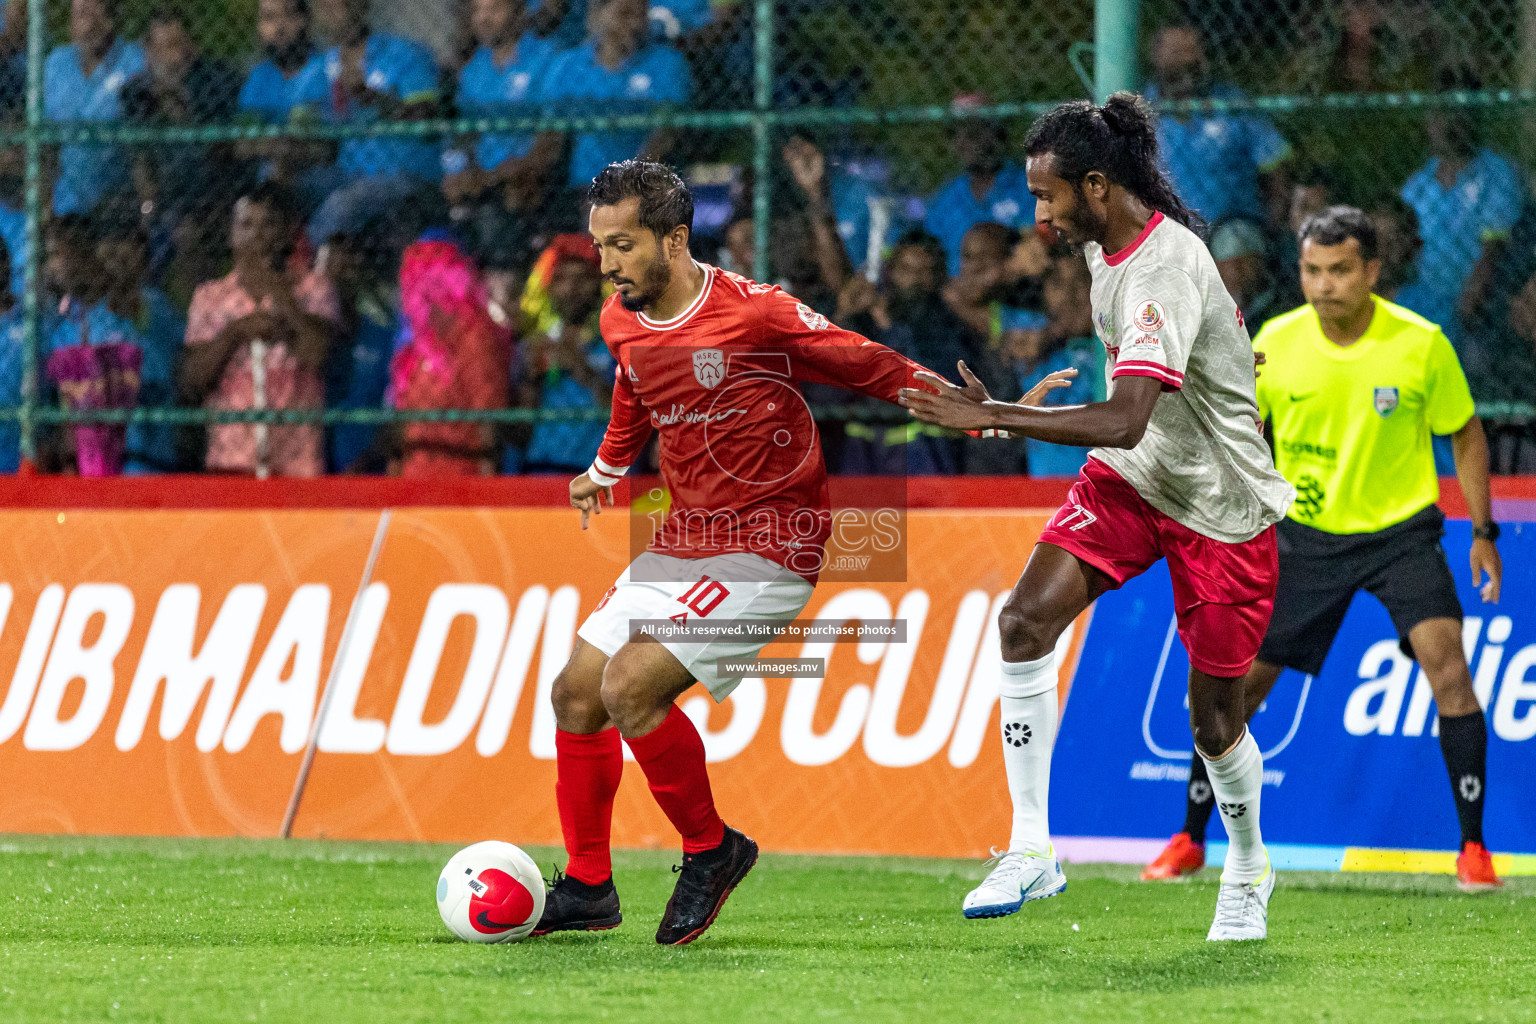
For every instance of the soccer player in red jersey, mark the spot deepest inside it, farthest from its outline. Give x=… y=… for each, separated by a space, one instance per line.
x=709 y=361
x=1179 y=471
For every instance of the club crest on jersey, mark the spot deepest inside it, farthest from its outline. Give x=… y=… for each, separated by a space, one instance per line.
x=708 y=367
x=1386 y=401
x=1149 y=315
x=812 y=319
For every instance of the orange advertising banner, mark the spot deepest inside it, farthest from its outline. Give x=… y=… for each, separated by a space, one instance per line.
x=168 y=668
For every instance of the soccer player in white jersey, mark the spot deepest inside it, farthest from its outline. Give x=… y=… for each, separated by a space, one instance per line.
x=1179 y=471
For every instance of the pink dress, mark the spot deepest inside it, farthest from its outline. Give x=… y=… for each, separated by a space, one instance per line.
x=456 y=357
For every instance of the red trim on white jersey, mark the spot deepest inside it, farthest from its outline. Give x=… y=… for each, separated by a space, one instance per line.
x=693 y=307
x=1172 y=379
x=1117 y=258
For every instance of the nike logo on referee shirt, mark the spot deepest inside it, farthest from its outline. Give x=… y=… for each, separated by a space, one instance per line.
x=1298 y=398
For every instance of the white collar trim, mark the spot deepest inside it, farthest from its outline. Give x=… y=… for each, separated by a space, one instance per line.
x=693 y=307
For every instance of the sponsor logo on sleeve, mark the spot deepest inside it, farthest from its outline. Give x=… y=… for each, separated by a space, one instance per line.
x=812 y=319
x=1149 y=315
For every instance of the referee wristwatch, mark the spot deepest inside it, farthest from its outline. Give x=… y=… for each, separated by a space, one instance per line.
x=1489 y=532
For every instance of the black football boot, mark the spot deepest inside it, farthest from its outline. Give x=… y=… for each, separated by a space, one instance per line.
x=574 y=906
x=704 y=881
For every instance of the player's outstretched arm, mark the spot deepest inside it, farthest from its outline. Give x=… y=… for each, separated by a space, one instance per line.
x=977 y=391
x=824 y=353
x=1116 y=423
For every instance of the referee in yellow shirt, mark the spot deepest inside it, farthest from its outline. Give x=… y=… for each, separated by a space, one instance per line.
x=1354 y=386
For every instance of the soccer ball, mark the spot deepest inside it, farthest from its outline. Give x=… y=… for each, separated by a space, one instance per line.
x=490 y=892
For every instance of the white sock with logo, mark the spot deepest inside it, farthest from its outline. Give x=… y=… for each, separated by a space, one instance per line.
x=1237 y=779
x=1027 y=694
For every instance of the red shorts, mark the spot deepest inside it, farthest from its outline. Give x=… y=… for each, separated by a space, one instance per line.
x=1222 y=593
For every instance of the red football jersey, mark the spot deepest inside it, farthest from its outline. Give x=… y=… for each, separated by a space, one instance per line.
x=740 y=452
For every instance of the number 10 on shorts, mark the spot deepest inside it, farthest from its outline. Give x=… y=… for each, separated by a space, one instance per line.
x=704 y=596
x=1082 y=515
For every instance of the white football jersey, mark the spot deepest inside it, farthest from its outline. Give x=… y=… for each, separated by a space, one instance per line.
x=1162 y=312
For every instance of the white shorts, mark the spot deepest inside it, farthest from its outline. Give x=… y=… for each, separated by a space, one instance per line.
x=743 y=586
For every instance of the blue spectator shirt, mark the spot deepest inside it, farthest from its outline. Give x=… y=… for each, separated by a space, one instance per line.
x=1425 y=301
x=572 y=28
x=400 y=68
x=1015 y=318
x=569 y=444
x=577 y=84
x=356 y=378
x=274 y=96
x=1215 y=159
x=673 y=18
x=854 y=190
x=13 y=229
x=88 y=172
x=12 y=341
x=1086 y=356
x=1482 y=205
x=953 y=210
x=669 y=19
x=162 y=333
x=488 y=91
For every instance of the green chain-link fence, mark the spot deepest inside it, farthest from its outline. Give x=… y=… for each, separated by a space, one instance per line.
x=821 y=136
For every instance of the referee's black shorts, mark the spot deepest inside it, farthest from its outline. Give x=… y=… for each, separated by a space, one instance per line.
x=1402 y=566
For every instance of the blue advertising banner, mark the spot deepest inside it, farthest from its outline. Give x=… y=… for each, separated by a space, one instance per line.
x=1351 y=756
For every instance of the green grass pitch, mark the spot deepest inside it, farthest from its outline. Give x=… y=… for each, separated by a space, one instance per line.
x=215 y=931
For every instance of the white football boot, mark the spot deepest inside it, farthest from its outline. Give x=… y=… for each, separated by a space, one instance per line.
x=1015 y=879
x=1242 y=910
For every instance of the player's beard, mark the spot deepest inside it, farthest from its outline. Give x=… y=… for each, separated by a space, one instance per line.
x=653 y=282
x=1083 y=226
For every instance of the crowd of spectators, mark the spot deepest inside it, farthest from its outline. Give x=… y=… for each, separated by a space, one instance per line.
x=416 y=272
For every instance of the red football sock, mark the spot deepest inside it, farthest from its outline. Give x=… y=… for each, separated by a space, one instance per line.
x=672 y=756
x=587 y=771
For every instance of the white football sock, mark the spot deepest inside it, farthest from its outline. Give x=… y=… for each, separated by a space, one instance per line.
x=1237 y=780
x=1027 y=694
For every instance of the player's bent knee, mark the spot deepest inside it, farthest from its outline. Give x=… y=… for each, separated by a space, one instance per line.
x=1216 y=731
x=578 y=701
x=1445 y=668
x=626 y=698
x=1451 y=683
x=1027 y=631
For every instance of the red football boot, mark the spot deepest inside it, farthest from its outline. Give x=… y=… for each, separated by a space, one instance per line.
x=1474 y=869
x=1182 y=856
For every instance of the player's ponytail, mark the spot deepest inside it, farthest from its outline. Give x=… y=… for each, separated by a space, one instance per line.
x=1118 y=139
x=1129 y=117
